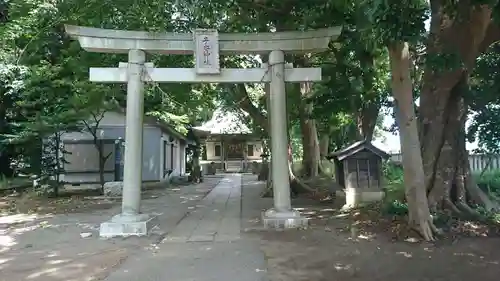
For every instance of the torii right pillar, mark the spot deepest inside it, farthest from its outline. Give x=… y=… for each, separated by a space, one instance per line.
x=282 y=215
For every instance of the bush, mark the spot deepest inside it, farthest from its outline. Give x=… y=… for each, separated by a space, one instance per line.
x=395 y=207
x=489 y=181
x=393 y=173
x=394 y=201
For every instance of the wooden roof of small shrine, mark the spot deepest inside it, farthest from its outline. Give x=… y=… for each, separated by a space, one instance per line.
x=358 y=147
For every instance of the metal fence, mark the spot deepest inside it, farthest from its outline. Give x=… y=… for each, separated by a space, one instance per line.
x=477 y=162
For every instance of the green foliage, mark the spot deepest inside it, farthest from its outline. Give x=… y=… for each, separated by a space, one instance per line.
x=488 y=215
x=393 y=173
x=395 y=207
x=484 y=102
x=395 y=201
x=391 y=21
x=444 y=62
x=490 y=180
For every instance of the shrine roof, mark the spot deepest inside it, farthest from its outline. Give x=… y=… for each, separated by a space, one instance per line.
x=224 y=123
x=358 y=147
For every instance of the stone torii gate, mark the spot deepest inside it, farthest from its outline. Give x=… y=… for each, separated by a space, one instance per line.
x=206 y=45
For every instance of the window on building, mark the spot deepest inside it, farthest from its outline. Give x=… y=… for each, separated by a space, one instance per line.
x=250 y=150
x=217 y=150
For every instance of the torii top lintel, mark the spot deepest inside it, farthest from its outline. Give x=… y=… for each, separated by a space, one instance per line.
x=120 y=41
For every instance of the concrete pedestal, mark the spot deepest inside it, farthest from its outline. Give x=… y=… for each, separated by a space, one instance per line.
x=355 y=197
x=127 y=225
x=274 y=219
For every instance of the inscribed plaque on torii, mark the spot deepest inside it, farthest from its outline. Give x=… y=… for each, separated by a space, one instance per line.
x=206 y=51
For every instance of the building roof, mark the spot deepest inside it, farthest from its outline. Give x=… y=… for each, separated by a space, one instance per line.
x=224 y=123
x=165 y=127
x=357 y=147
x=151 y=120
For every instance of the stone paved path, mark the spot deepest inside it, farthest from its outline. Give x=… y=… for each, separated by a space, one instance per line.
x=217 y=217
x=207 y=245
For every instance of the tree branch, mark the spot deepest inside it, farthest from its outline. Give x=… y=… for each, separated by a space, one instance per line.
x=105 y=158
x=241 y=94
x=492 y=35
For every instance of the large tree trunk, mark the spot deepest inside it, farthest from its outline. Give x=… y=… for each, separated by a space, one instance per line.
x=196 y=173
x=102 y=162
x=452 y=186
x=311 y=151
x=367 y=107
x=442 y=108
x=367 y=120
x=447 y=168
x=324 y=146
x=5 y=149
x=414 y=179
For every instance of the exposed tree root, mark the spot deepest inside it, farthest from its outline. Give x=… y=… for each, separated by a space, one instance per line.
x=323 y=169
x=454 y=189
x=298 y=185
x=425 y=227
x=419 y=218
x=447 y=203
x=479 y=197
x=299 y=182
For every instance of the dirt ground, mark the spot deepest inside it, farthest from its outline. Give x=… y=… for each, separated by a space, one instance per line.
x=57 y=239
x=70 y=200
x=351 y=247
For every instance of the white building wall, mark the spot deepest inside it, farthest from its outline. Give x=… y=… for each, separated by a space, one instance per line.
x=182 y=158
x=257 y=150
x=210 y=146
x=177 y=163
x=112 y=127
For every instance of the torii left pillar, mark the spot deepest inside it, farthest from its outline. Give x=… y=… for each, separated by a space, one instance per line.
x=131 y=221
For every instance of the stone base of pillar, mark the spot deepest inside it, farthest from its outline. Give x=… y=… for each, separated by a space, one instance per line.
x=274 y=219
x=127 y=225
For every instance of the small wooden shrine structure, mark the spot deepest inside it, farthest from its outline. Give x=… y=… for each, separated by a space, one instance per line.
x=359 y=170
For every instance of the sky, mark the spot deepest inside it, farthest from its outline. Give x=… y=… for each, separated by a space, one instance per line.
x=389 y=142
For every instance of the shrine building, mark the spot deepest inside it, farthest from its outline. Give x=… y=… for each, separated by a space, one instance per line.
x=228 y=144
